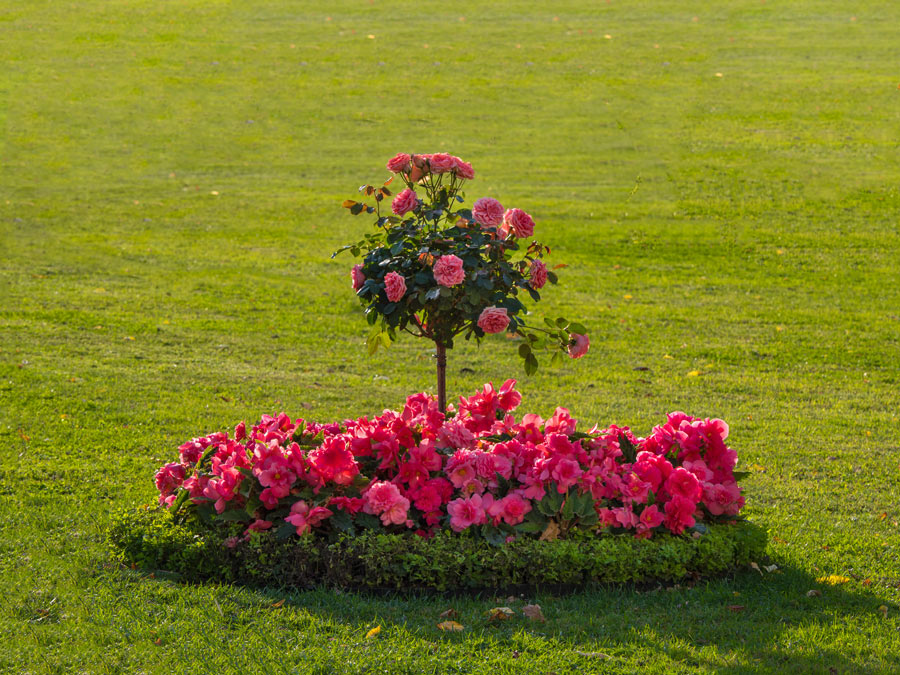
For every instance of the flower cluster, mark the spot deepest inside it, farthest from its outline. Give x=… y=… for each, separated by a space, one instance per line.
x=474 y=469
x=437 y=270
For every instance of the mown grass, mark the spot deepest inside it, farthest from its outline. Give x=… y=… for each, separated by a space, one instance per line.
x=722 y=181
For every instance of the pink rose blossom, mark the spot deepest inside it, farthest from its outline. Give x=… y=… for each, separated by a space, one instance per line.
x=463 y=169
x=680 y=514
x=399 y=163
x=683 y=483
x=394 y=286
x=357 y=277
x=448 y=270
x=487 y=211
x=466 y=512
x=404 y=202
x=441 y=162
x=304 y=518
x=578 y=345
x=493 y=320
x=518 y=222
x=538 y=274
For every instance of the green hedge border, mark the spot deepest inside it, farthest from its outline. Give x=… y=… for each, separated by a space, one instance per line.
x=150 y=539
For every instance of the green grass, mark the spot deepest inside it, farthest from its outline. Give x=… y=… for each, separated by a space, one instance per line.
x=742 y=226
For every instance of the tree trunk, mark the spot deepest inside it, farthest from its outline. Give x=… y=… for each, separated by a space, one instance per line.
x=441 y=354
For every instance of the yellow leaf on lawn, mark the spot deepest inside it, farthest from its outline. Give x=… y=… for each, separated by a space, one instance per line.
x=884 y=610
x=499 y=614
x=451 y=626
x=279 y=603
x=833 y=579
x=533 y=612
x=375 y=631
x=693 y=373
x=449 y=614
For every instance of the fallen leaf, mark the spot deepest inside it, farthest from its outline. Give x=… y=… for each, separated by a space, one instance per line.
x=693 y=373
x=158 y=642
x=756 y=567
x=883 y=609
x=770 y=568
x=628 y=296
x=867 y=582
x=813 y=593
x=452 y=626
x=533 y=612
x=372 y=633
x=737 y=608
x=449 y=614
x=551 y=533
x=833 y=579
x=499 y=614
x=279 y=603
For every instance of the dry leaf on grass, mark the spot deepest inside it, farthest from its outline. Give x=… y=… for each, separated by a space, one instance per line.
x=833 y=579
x=499 y=614
x=533 y=612
x=375 y=631
x=451 y=626
x=595 y=655
x=449 y=614
x=813 y=593
x=737 y=608
x=279 y=603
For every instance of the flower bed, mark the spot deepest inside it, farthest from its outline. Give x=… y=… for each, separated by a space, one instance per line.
x=471 y=478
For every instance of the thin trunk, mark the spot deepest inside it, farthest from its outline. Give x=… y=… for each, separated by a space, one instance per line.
x=441 y=353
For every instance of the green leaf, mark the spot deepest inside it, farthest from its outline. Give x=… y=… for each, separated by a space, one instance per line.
x=629 y=450
x=524 y=350
x=342 y=521
x=357 y=208
x=562 y=323
x=238 y=515
x=285 y=530
x=740 y=475
x=577 y=328
x=531 y=364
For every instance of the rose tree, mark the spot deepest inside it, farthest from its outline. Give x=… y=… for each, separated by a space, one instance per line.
x=436 y=270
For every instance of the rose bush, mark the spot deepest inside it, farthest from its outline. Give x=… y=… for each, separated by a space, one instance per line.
x=474 y=470
x=432 y=268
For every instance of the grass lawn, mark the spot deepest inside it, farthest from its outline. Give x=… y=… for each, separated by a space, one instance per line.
x=723 y=180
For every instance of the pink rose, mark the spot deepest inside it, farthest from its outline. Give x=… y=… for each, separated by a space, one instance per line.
x=518 y=222
x=357 y=277
x=394 y=286
x=487 y=211
x=493 y=320
x=683 y=483
x=404 y=202
x=441 y=162
x=399 y=163
x=538 y=274
x=448 y=270
x=578 y=345
x=463 y=169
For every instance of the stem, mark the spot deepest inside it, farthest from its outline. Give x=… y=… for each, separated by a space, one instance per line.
x=441 y=354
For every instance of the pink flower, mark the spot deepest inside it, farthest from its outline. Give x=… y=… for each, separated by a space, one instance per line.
x=333 y=461
x=404 y=202
x=518 y=222
x=680 y=514
x=258 y=525
x=357 y=277
x=578 y=345
x=441 y=162
x=538 y=274
x=488 y=212
x=466 y=512
x=240 y=432
x=394 y=286
x=683 y=483
x=493 y=320
x=508 y=398
x=511 y=509
x=384 y=499
x=168 y=479
x=566 y=473
x=448 y=270
x=304 y=518
x=399 y=163
x=463 y=169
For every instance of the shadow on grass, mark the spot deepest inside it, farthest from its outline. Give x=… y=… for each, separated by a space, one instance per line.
x=740 y=623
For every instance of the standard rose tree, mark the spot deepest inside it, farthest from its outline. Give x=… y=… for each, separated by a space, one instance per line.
x=437 y=273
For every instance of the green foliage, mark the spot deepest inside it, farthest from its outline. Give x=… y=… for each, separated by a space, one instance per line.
x=151 y=539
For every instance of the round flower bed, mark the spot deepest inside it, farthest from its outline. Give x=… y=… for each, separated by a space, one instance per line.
x=471 y=498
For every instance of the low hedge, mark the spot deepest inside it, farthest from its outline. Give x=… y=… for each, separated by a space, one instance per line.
x=151 y=539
